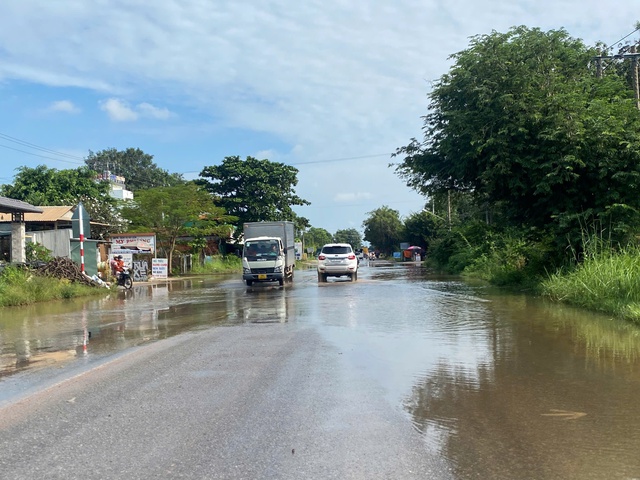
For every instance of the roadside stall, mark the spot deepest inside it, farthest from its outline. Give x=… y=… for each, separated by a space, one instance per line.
x=137 y=250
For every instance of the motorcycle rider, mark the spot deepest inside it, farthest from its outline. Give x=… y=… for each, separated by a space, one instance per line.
x=117 y=266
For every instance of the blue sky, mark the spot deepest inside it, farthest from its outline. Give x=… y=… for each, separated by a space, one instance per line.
x=329 y=86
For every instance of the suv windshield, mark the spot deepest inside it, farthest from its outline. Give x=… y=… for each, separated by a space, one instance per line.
x=336 y=250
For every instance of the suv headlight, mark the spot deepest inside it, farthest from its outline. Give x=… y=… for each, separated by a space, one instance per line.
x=278 y=269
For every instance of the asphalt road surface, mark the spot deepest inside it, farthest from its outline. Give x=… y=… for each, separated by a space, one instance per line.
x=250 y=401
x=399 y=375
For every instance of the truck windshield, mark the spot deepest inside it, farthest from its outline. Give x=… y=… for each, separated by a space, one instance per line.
x=261 y=249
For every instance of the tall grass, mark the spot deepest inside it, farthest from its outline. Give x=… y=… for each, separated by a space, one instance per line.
x=21 y=287
x=605 y=280
x=507 y=261
x=219 y=264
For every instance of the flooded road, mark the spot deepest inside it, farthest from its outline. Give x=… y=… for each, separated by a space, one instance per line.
x=497 y=385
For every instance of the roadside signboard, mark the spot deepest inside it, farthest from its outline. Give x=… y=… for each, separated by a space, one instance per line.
x=160 y=268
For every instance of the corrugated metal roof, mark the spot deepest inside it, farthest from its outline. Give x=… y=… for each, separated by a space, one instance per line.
x=11 y=205
x=49 y=214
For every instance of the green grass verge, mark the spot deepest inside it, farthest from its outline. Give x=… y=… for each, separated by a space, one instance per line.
x=607 y=282
x=219 y=264
x=21 y=287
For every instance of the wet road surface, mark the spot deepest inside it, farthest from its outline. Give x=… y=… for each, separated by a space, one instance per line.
x=398 y=375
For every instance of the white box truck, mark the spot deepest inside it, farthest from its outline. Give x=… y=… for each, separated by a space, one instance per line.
x=269 y=252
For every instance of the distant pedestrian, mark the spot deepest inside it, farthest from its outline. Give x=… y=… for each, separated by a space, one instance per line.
x=112 y=266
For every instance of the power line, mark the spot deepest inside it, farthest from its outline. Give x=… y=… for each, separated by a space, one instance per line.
x=342 y=159
x=37 y=147
x=293 y=164
x=75 y=157
x=626 y=36
x=36 y=155
x=80 y=160
x=350 y=205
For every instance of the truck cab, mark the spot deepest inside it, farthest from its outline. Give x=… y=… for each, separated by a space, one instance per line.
x=263 y=260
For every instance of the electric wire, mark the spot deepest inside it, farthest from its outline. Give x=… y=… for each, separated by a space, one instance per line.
x=330 y=160
x=37 y=147
x=80 y=160
x=626 y=36
x=341 y=159
x=37 y=155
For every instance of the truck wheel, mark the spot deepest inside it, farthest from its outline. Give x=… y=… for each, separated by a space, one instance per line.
x=281 y=281
x=249 y=283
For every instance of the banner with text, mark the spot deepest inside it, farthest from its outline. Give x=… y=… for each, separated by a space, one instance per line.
x=160 y=268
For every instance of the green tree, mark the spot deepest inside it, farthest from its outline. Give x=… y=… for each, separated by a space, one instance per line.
x=422 y=228
x=522 y=124
x=137 y=167
x=383 y=229
x=50 y=187
x=253 y=190
x=36 y=252
x=300 y=224
x=350 y=236
x=171 y=212
x=316 y=237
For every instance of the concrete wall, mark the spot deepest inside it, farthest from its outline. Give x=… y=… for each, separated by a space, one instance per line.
x=58 y=241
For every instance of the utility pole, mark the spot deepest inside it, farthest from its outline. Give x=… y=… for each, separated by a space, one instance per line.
x=449 y=208
x=634 y=75
x=633 y=56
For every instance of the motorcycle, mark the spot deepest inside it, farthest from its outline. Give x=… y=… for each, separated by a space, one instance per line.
x=124 y=279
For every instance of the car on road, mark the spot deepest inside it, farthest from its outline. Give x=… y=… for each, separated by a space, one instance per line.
x=337 y=260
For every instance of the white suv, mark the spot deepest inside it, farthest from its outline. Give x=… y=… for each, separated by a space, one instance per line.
x=337 y=260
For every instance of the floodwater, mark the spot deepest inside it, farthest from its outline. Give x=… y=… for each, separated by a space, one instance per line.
x=502 y=386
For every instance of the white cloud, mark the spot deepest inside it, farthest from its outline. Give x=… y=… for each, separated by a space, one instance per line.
x=148 y=110
x=269 y=154
x=120 y=111
x=63 y=106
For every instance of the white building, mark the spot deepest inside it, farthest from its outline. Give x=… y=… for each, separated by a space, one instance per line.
x=117 y=184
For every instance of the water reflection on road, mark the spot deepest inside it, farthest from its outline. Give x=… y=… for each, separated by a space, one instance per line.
x=503 y=386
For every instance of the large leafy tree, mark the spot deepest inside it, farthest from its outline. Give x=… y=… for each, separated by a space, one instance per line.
x=171 y=212
x=422 y=228
x=50 y=187
x=384 y=229
x=137 y=167
x=253 y=190
x=522 y=124
x=316 y=237
x=350 y=236
x=300 y=225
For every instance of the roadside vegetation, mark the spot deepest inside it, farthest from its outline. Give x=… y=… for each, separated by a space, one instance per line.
x=523 y=155
x=605 y=280
x=218 y=264
x=22 y=287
